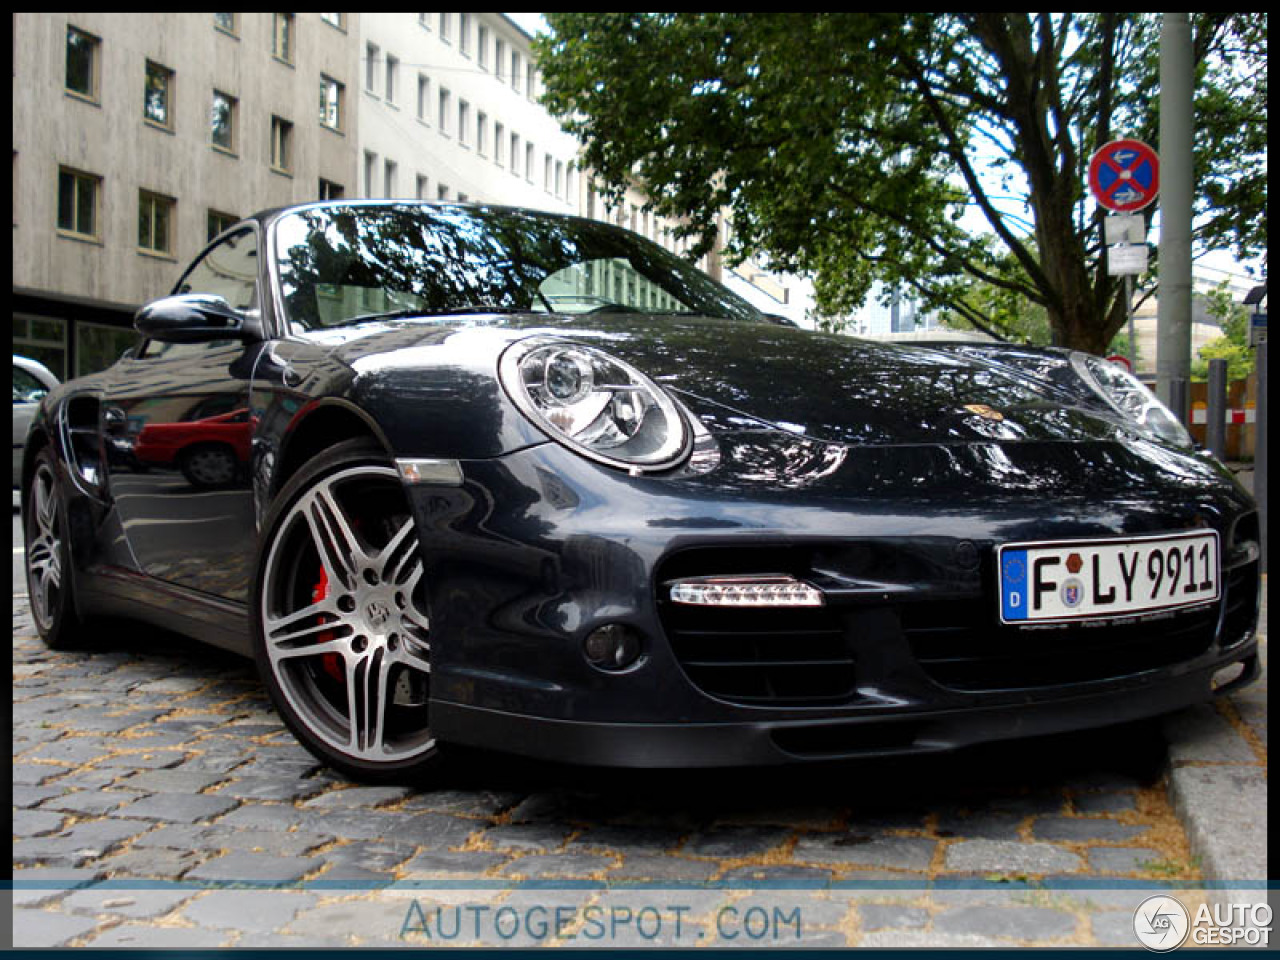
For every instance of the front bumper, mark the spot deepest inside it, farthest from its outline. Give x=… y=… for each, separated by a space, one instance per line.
x=533 y=551
x=762 y=742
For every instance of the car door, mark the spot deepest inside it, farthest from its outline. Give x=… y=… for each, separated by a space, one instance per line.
x=179 y=435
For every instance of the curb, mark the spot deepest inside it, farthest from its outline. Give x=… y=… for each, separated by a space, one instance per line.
x=1217 y=777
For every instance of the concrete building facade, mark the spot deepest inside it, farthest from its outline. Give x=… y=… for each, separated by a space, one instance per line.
x=448 y=111
x=136 y=136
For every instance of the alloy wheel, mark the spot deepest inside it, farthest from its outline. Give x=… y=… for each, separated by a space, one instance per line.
x=342 y=617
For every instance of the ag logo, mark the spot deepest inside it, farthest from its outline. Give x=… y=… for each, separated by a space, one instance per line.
x=1161 y=923
x=984 y=411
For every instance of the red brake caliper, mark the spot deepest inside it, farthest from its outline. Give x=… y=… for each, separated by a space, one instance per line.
x=331 y=662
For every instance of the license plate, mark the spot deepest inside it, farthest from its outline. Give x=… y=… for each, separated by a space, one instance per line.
x=1098 y=579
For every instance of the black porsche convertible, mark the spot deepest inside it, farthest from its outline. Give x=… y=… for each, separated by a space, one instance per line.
x=475 y=475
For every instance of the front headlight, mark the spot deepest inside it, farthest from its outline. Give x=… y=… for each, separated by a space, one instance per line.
x=1125 y=393
x=596 y=404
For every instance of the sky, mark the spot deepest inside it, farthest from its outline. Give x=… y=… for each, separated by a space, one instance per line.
x=530 y=23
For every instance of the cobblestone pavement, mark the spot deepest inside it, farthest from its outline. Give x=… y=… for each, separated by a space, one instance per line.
x=159 y=802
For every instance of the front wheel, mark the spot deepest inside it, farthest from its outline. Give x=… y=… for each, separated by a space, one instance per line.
x=341 y=632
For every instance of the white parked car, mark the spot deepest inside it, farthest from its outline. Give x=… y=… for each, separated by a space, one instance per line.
x=31 y=381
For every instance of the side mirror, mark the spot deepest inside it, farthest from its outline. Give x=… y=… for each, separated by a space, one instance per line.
x=779 y=319
x=194 y=318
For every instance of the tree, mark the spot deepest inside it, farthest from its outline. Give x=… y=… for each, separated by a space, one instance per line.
x=1233 y=345
x=851 y=146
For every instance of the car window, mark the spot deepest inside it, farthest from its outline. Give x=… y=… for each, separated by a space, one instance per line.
x=344 y=264
x=605 y=284
x=228 y=270
x=26 y=388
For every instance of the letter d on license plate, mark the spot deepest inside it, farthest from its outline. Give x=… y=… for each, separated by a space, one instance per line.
x=1096 y=579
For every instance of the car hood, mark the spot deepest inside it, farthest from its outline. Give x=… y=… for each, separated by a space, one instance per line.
x=841 y=389
x=738 y=375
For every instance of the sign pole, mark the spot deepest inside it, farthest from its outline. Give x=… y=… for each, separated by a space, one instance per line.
x=1128 y=309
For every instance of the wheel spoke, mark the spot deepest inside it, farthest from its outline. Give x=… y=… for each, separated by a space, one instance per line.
x=413 y=653
x=404 y=543
x=311 y=650
x=340 y=551
x=367 y=703
x=317 y=618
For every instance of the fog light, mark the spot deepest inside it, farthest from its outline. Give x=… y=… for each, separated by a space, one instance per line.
x=612 y=647
x=760 y=590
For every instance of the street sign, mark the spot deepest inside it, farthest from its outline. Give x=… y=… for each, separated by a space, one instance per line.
x=1127 y=259
x=1124 y=175
x=1257 y=329
x=1125 y=228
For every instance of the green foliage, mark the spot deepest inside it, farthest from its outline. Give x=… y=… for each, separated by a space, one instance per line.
x=1233 y=345
x=856 y=147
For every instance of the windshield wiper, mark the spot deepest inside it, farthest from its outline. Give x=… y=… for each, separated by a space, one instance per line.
x=427 y=312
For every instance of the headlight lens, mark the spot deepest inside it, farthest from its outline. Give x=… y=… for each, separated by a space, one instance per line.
x=597 y=404
x=1125 y=393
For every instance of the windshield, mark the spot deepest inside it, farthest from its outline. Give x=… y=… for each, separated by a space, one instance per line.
x=343 y=264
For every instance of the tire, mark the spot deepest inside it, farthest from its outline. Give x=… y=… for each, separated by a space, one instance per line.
x=50 y=574
x=209 y=466
x=340 y=630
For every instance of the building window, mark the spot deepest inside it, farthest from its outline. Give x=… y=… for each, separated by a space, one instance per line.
x=499 y=138
x=482 y=47
x=389 y=178
x=393 y=70
x=336 y=20
x=422 y=188
x=515 y=154
x=330 y=190
x=78 y=203
x=226 y=22
x=515 y=71
x=222 y=121
x=482 y=139
x=281 y=145
x=370 y=62
x=464 y=123
x=464 y=34
x=282 y=37
x=444 y=27
x=546 y=172
x=559 y=179
x=529 y=153
x=216 y=222
x=370 y=164
x=43 y=339
x=442 y=192
x=442 y=119
x=424 y=97
x=156 y=96
x=155 y=218
x=531 y=80
x=499 y=54
x=82 y=63
x=331 y=97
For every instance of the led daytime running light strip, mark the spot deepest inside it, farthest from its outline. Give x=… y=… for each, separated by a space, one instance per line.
x=763 y=590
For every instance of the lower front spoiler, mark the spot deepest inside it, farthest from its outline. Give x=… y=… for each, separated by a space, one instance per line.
x=758 y=743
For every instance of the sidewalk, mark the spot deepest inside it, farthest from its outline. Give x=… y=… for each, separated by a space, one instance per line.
x=1218 y=777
